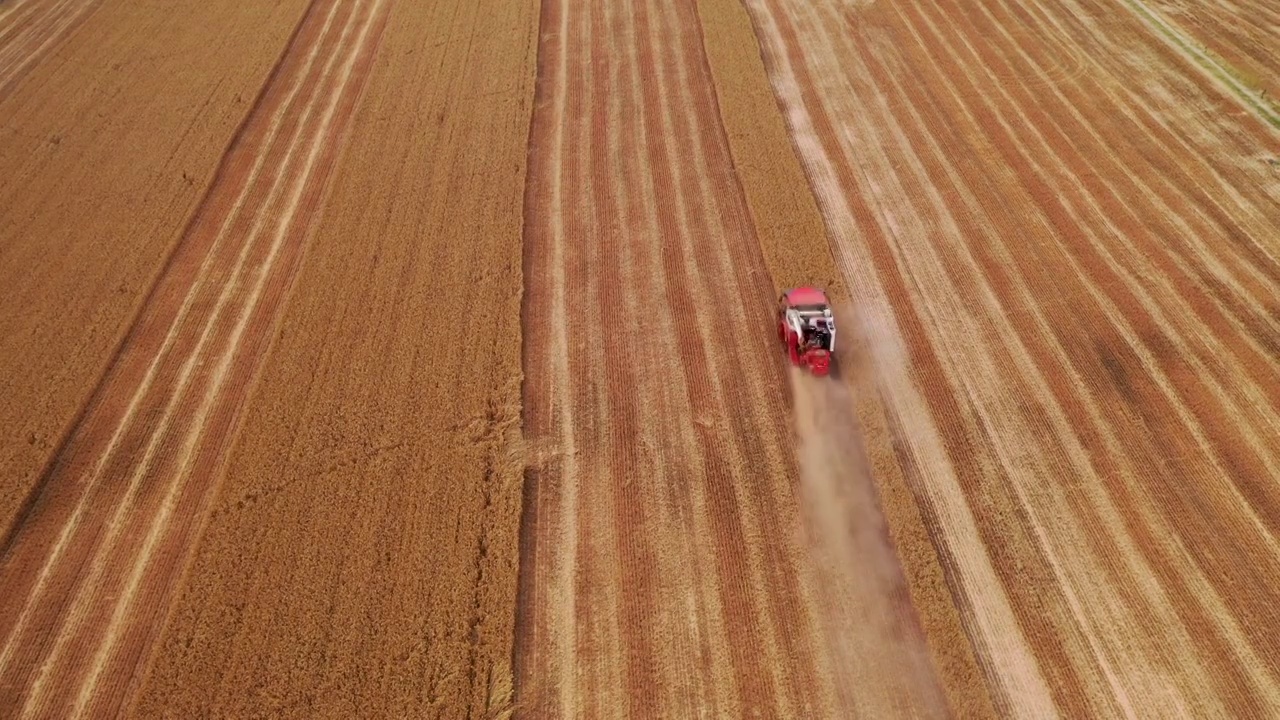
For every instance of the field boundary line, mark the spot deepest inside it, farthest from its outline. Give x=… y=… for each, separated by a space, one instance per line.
x=1226 y=75
x=523 y=624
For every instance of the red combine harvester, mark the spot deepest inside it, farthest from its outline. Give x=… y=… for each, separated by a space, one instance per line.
x=807 y=327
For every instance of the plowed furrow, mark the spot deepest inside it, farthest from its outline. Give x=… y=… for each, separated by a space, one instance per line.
x=91 y=568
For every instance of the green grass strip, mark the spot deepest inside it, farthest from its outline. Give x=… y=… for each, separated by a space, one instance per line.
x=1221 y=70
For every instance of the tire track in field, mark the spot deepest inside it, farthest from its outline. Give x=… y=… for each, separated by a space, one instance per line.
x=30 y=29
x=1247 y=262
x=90 y=570
x=1247 y=664
x=663 y=570
x=1240 y=275
x=1080 y=452
x=869 y=624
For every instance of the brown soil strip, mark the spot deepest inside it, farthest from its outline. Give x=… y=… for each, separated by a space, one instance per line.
x=107 y=152
x=360 y=556
x=94 y=563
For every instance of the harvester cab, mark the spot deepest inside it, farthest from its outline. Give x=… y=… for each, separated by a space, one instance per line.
x=807 y=328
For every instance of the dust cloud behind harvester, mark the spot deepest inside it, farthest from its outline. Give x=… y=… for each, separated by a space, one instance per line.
x=878 y=658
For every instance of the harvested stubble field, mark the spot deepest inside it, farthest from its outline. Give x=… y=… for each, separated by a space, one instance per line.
x=1241 y=33
x=375 y=358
